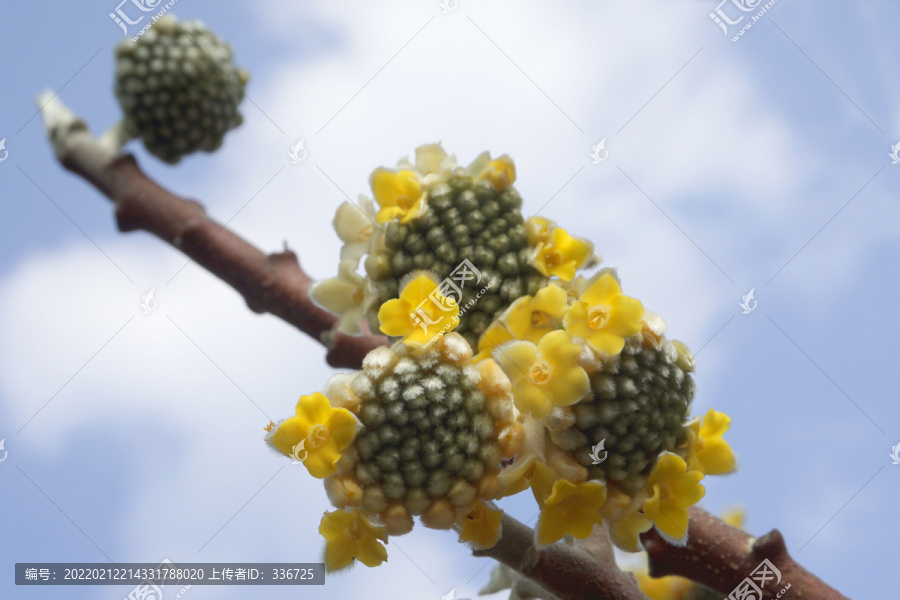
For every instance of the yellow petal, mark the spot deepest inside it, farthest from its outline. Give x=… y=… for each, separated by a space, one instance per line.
x=517 y=317
x=371 y=552
x=314 y=409
x=626 y=531
x=320 y=462
x=714 y=424
x=601 y=290
x=568 y=386
x=557 y=348
x=551 y=525
x=670 y=519
x=606 y=343
x=289 y=434
x=352 y=224
x=716 y=457
x=516 y=359
x=394 y=317
x=542 y=480
x=625 y=317
x=532 y=400
x=552 y=300
x=668 y=467
x=576 y=320
x=342 y=428
x=481 y=526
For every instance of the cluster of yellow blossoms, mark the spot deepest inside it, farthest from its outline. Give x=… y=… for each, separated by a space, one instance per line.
x=574 y=391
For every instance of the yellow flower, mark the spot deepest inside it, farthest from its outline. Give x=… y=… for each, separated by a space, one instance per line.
x=399 y=195
x=344 y=295
x=566 y=507
x=316 y=435
x=734 y=516
x=670 y=587
x=531 y=318
x=495 y=335
x=420 y=313
x=351 y=535
x=672 y=488
x=539 y=229
x=355 y=226
x=708 y=452
x=561 y=255
x=517 y=476
x=501 y=172
x=626 y=531
x=481 y=526
x=544 y=375
x=603 y=316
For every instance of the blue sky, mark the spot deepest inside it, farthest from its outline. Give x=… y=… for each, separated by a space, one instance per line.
x=758 y=164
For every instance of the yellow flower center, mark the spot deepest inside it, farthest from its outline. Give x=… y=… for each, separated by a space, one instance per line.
x=598 y=316
x=318 y=435
x=552 y=258
x=540 y=319
x=540 y=372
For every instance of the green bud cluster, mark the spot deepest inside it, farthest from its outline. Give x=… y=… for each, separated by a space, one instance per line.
x=178 y=88
x=427 y=432
x=464 y=220
x=640 y=400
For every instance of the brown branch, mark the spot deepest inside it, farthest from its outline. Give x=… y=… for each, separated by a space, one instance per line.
x=567 y=572
x=720 y=556
x=270 y=283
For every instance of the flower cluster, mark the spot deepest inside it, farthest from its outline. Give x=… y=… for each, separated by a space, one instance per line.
x=463 y=225
x=420 y=431
x=574 y=392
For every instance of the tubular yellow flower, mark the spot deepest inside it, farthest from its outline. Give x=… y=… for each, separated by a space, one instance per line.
x=626 y=531
x=603 y=316
x=566 y=508
x=561 y=255
x=708 y=452
x=323 y=430
x=344 y=295
x=420 y=313
x=398 y=194
x=481 y=526
x=672 y=488
x=501 y=172
x=531 y=318
x=544 y=375
x=355 y=225
x=517 y=477
x=351 y=535
x=495 y=335
x=538 y=230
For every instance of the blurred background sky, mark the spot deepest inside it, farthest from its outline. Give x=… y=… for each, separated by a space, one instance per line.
x=759 y=164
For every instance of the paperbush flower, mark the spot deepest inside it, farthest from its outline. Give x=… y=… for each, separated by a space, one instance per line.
x=351 y=535
x=708 y=452
x=344 y=295
x=603 y=316
x=561 y=255
x=531 y=318
x=539 y=229
x=501 y=172
x=567 y=508
x=355 y=226
x=495 y=335
x=421 y=312
x=480 y=526
x=544 y=375
x=324 y=431
x=672 y=488
x=399 y=194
